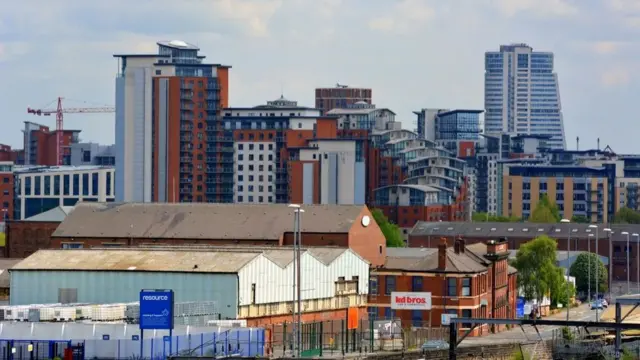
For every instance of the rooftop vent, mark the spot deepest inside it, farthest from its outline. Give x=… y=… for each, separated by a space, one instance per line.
x=574 y=230
x=540 y=229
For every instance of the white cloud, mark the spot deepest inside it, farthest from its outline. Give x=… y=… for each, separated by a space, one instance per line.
x=616 y=76
x=540 y=8
x=606 y=47
x=406 y=16
x=11 y=50
x=625 y=6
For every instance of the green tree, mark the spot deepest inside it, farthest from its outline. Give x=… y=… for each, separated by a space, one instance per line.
x=627 y=216
x=580 y=270
x=580 y=219
x=538 y=274
x=484 y=217
x=391 y=231
x=546 y=211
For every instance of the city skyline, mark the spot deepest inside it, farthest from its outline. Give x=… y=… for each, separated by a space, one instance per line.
x=74 y=56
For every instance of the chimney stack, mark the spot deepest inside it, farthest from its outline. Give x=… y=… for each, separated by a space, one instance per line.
x=461 y=244
x=442 y=254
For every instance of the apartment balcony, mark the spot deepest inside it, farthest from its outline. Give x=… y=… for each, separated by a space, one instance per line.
x=186 y=190
x=219 y=170
x=186 y=148
x=186 y=128
x=186 y=117
x=186 y=180
x=186 y=159
x=186 y=169
x=282 y=191
x=226 y=149
x=186 y=86
x=186 y=138
x=214 y=180
x=186 y=95
x=218 y=190
x=281 y=171
x=227 y=160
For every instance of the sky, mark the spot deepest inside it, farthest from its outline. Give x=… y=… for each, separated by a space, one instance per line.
x=413 y=53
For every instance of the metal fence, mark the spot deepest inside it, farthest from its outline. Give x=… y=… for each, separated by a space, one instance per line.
x=240 y=342
x=333 y=337
x=232 y=342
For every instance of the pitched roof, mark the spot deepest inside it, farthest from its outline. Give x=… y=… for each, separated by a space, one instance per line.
x=198 y=259
x=480 y=249
x=202 y=221
x=6 y=264
x=57 y=214
x=456 y=262
x=158 y=260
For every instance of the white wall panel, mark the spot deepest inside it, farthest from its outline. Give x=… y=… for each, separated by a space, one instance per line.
x=275 y=284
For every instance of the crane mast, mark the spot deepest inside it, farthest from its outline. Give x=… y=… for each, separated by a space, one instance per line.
x=59 y=111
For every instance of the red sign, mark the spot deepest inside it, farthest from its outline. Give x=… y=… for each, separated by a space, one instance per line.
x=411 y=300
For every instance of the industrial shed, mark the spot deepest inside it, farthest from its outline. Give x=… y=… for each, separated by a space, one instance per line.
x=249 y=283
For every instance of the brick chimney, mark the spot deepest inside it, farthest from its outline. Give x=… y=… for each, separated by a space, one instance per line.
x=442 y=254
x=460 y=244
x=496 y=246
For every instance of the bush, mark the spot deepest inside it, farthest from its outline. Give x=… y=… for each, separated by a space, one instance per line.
x=567 y=334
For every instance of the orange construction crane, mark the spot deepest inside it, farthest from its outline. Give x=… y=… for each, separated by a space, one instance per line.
x=59 y=111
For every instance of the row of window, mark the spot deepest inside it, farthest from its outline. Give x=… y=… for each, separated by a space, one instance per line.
x=417 y=285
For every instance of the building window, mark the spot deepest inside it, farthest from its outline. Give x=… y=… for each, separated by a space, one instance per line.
x=389 y=284
x=416 y=283
x=253 y=293
x=452 y=287
x=373 y=285
x=466 y=287
x=373 y=312
x=85 y=184
x=466 y=313
x=416 y=318
x=389 y=313
x=36 y=183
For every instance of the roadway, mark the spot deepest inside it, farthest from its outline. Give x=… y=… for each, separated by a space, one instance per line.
x=516 y=335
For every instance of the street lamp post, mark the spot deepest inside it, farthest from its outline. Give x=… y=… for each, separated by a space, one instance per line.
x=637 y=262
x=597 y=266
x=610 y=237
x=628 y=272
x=567 y=221
x=297 y=285
x=589 y=267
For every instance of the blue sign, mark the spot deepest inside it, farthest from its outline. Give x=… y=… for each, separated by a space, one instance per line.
x=156 y=309
x=520 y=307
x=105 y=337
x=166 y=338
x=135 y=337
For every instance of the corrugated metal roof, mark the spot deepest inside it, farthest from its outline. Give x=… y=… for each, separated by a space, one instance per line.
x=518 y=230
x=202 y=221
x=5 y=265
x=138 y=260
x=208 y=259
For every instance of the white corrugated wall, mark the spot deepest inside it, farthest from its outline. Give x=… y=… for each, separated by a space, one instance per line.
x=274 y=284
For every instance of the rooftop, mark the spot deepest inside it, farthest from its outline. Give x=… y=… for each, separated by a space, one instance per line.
x=64 y=168
x=426 y=260
x=202 y=221
x=57 y=214
x=355 y=111
x=166 y=259
x=519 y=230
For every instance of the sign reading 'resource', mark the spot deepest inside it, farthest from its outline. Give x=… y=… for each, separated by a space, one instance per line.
x=156 y=309
x=411 y=300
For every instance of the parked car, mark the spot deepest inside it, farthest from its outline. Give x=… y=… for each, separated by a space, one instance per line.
x=597 y=304
x=435 y=345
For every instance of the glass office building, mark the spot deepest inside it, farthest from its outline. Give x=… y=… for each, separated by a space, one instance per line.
x=522 y=94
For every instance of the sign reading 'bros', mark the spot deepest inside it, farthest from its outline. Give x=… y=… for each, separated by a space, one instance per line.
x=411 y=300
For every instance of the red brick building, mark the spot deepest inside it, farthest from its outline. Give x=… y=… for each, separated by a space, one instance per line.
x=24 y=237
x=8 y=154
x=466 y=281
x=6 y=191
x=40 y=144
x=100 y=224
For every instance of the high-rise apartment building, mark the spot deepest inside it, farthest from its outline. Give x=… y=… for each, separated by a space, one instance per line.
x=340 y=97
x=169 y=137
x=522 y=94
x=40 y=144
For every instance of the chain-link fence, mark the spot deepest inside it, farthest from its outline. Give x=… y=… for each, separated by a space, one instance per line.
x=334 y=337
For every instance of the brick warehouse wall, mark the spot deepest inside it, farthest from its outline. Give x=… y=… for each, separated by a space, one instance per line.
x=26 y=237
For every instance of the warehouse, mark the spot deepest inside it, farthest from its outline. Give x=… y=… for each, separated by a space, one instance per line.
x=132 y=224
x=248 y=283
